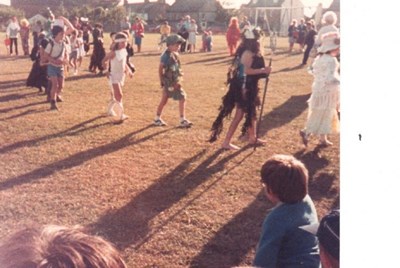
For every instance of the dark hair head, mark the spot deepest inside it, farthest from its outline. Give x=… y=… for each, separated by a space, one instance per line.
x=56 y=30
x=286 y=177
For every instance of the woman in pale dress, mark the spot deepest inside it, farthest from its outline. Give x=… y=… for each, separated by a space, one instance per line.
x=192 y=36
x=324 y=103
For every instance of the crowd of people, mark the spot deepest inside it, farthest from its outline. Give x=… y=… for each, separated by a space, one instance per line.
x=300 y=242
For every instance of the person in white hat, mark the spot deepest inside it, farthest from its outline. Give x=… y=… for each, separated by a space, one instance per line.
x=324 y=103
x=329 y=19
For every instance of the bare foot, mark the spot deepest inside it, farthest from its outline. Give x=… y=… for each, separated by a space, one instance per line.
x=230 y=146
x=325 y=143
x=258 y=142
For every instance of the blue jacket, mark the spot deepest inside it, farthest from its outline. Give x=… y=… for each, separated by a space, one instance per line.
x=283 y=243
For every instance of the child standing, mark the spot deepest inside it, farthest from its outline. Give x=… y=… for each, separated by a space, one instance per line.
x=323 y=105
x=73 y=56
x=282 y=243
x=170 y=74
x=118 y=68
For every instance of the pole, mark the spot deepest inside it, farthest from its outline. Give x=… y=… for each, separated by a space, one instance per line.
x=262 y=105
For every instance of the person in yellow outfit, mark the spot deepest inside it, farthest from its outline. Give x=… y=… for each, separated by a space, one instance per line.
x=165 y=30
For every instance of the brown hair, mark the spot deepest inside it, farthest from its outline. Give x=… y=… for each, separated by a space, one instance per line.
x=286 y=177
x=54 y=246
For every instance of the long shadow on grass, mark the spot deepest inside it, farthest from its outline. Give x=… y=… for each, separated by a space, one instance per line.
x=12 y=83
x=77 y=159
x=284 y=113
x=75 y=130
x=15 y=96
x=236 y=239
x=6 y=110
x=129 y=225
x=30 y=111
x=210 y=60
x=289 y=69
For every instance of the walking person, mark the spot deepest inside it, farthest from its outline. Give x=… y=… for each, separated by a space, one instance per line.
x=12 y=32
x=170 y=74
x=309 y=41
x=324 y=103
x=118 y=70
x=243 y=91
x=233 y=35
x=56 y=56
x=24 y=33
x=138 y=33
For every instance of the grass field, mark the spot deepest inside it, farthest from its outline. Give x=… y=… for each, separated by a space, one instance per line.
x=163 y=195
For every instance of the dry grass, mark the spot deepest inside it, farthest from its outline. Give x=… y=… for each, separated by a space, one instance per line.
x=164 y=196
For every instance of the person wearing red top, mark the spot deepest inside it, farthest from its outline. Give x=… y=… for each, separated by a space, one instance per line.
x=233 y=35
x=138 y=33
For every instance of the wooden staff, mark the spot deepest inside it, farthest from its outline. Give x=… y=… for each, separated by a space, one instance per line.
x=262 y=105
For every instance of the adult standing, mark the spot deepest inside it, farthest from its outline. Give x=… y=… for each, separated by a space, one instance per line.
x=243 y=91
x=233 y=35
x=12 y=32
x=24 y=33
x=192 y=35
x=245 y=24
x=125 y=24
x=138 y=30
x=292 y=34
x=309 y=41
x=86 y=29
x=183 y=27
x=302 y=29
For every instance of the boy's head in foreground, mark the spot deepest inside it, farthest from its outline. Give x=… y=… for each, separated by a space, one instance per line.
x=54 y=246
x=285 y=179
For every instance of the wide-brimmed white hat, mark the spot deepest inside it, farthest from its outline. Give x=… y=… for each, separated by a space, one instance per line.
x=330 y=41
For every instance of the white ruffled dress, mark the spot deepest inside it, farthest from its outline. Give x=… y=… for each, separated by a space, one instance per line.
x=324 y=103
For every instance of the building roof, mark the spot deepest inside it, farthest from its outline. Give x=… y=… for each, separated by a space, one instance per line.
x=188 y=5
x=146 y=6
x=335 y=6
x=264 y=3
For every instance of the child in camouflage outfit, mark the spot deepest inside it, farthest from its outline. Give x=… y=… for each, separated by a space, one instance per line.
x=170 y=79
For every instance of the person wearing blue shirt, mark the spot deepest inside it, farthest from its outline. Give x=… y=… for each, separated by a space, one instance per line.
x=282 y=243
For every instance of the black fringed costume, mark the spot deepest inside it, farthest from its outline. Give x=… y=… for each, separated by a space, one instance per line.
x=247 y=101
x=38 y=74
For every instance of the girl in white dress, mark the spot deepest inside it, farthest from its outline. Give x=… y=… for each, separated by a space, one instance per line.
x=118 y=68
x=324 y=103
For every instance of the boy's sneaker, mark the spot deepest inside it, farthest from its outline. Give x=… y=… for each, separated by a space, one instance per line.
x=185 y=123
x=159 y=122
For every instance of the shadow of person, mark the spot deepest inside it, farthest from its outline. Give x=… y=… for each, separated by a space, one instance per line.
x=130 y=224
x=232 y=243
